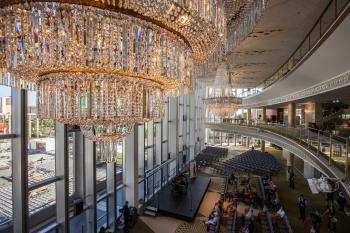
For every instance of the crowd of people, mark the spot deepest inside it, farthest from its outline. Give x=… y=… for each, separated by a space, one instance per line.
x=315 y=220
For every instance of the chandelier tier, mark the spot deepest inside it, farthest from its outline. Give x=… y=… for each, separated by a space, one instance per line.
x=223 y=106
x=221 y=101
x=103 y=65
x=199 y=24
x=87 y=99
x=42 y=38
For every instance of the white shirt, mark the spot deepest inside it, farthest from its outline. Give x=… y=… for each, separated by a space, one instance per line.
x=281 y=213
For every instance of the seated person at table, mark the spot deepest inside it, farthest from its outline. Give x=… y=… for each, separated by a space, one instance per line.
x=279 y=215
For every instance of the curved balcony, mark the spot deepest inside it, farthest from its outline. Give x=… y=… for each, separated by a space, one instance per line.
x=328 y=23
x=327 y=153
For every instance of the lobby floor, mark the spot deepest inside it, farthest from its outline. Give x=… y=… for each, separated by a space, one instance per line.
x=164 y=224
x=289 y=198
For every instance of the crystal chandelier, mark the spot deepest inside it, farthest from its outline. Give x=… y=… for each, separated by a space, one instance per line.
x=221 y=100
x=241 y=16
x=105 y=65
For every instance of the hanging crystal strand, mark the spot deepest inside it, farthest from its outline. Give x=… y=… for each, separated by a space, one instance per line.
x=143 y=51
x=132 y=43
x=149 y=44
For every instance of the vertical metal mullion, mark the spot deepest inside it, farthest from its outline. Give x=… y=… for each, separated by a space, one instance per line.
x=20 y=161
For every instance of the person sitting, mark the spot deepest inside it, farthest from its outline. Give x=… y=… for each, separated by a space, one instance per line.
x=232 y=205
x=248 y=215
x=244 y=229
x=279 y=215
x=213 y=218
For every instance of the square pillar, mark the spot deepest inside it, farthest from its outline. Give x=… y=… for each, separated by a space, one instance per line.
x=262 y=145
x=111 y=188
x=249 y=116
x=90 y=185
x=78 y=164
x=291 y=114
x=20 y=161
x=131 y=166
x=62 y=171
x=264 y=117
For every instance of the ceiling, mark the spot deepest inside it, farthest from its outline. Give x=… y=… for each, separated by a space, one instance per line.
x=330 y=60
x=281 y=29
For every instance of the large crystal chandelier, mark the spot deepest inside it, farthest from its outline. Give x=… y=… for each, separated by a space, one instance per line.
x=105 y=65
x=241 y=16
x=221 y=101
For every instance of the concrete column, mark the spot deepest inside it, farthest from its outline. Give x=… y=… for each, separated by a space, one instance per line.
x=309 y=171
x=290 y=163
x=221 y=138
x=173 y=128
x=263 y=145
x=62 y=185
x=19 y=161
x=78 y=152
x=90 y=185
x=313 y=114
x=191 y=119
x=291 y=114
x=249 y=115
x=264 y=117
x=248 y=142
x=111 y=190
x=131 y=168
x=302 y=117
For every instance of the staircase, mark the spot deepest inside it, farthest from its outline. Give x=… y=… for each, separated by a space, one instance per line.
x=150 y=211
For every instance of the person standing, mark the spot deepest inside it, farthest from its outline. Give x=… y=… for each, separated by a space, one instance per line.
x=302 y=207
x=126 y=214
x=291 y=180
x=330 y=216
x=341 y=200
x=316 y=220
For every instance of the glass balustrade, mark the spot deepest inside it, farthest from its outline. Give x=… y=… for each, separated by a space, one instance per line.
x=326 y=144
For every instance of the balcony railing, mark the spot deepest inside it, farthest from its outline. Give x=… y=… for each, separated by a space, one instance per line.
x=334 y=13
x=325 y=144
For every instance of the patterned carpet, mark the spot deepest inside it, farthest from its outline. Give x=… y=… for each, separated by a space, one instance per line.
x=196 y=227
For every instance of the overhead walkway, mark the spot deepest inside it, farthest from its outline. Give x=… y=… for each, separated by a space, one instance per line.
x=296 y=140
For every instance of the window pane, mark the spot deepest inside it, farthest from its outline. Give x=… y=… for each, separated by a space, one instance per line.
x=41 y=144
x=5 y=109
x=101 y=168
x=5 y=181
x=101 y=213
x=41 y=198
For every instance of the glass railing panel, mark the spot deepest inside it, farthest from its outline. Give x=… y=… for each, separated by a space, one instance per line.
x=340 y=5
x=315 y=34
x=305 y=47
x=328 y=17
